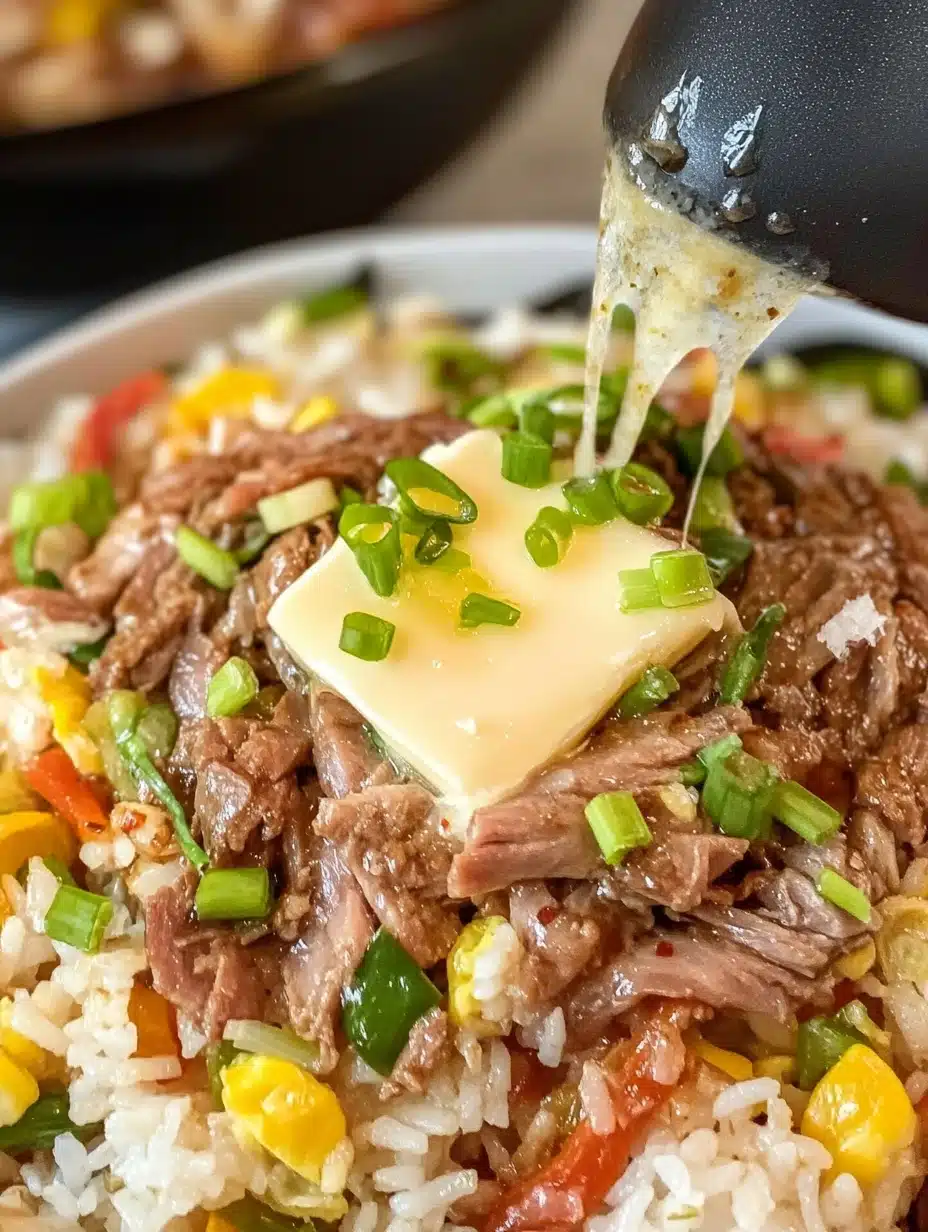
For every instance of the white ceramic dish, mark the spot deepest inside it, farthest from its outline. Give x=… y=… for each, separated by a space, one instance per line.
x=470 y=269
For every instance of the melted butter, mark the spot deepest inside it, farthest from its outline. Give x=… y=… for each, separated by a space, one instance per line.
x=689 y=288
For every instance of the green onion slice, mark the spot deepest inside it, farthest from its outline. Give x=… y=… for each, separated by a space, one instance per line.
x=23 y=551
x=536 y=419
x=215 y=564
x=640 y=493
x=434 y=543
x=249 y=1035
x=638 y=590
x=157 y=728
x=388 y=994
x=372 y=533
x=750 y=655
x=682 y=578
x=310 y=500
x=617 y=824
x=838 y=890
x=495 y=411
x=548 y=537
x=724 y=551
x=40 y=1125
x=659 y=424
x=366 y=637
x=334 y=302
x=79 y=918
x=219 y=1055
x=719 y=750
x=254 y=540
x=714 y=507
x=526 y=459
x=725 y=457
x=250 y=1215
x=692 y=774
x=477 y=609
x=349 y=496
x=738 y=795
x=820 y=1044
x=650 y=690
x=623 y=319
x=233 y=894
x=456 y=365
x=804 y=813
x=86 y=498
x=231 y=688
x=565 y=353
x=425 y=492
x=590 y=499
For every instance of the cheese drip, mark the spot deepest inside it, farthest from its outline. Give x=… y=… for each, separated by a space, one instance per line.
x=688 y=288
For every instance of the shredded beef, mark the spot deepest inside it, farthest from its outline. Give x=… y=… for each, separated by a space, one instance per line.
x=894 y=783
x=53 y=618
x=428 y=1047
x=346 y=760
x=126 y=544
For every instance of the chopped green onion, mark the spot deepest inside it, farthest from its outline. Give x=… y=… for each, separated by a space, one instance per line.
x=590 y=499
x=719 y=750
x=724 y=551
x=426 y=492
x=641 y=494
x=548 y=537
x=265 y=702
x=750 y=655
x=820 y=1044
x=623 y=319
x=838 y=890
x=496 y=411
x=219 y=1055
x=898 y=474
x=638 y=590
x=233 y=894
x=456 y=365
x=650 y=690
x=304 y=503
x=477 y=609
x=231 y=688
x=893 y=383
x=249 y=1035
x=617 y=825
x=434 y=543
x=333 y=302
x=366 y=637
x=537 y=420
x=810 y=817
x=452 y=561
x=79 y=918
x=157 y=729
x=254 y=540
x=24 y=542
x=88 y=652
x=387 y=996
x=124 y=713
x=726 y=456
x=659 y=424
x=215 y=564
x=738 y=794
x=565 y=353
x=349 y=496
x=855 y=1018
x=372 y=533
x=41 y=1124
x=682 y=578
x=250 y=1215
x=85 y=498
x=714 y=506
x=692 y=774
x=526 y=459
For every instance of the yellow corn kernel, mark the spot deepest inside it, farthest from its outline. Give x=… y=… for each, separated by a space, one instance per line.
x=39 y=1063
x=228 y=392
x=76 y=21
x=750 y=407
x=292 y=1114
x=703 y=373
x=854 y=966
x=731 y=1063
x=68 y=698
x=27 y=834
x=216 y=1223
x=16 y=796
x=18 y=1090
x=316 y=411
x=465 y=1010
x=782 y=1068
x=861 y=1114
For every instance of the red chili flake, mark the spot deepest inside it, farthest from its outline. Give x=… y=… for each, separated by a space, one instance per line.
x=445 y=823
x=547 y=915
x=664 y=949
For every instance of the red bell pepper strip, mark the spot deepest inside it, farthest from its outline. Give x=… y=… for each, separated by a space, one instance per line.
x=53 y=776
x=96 y=442
x=574 y=1184
x=812 y=450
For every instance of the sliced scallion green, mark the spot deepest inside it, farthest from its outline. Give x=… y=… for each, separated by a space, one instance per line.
x=738 y=795
x=304 y=503
x=590 y=499
x=724 y=551
x=434 y=543
x=85 y=498
x=638 y=590
x=457 y=366
x=157 y=729
x=215 y=564
x=682 y=578
x=719 y=750
x=23 y=552
x=41 y=1124
x=652 y=688
x=249 y=1035
x=77 y=917
x=231 y=688
x=820 y=1044
x=725 y=457
x=495 y=411
x=233 y=894
x=623 y=319
x=426 y=492
x=750 y=655
x=349 y=496
x=548 y=537
x=565 y=353
x=617 y=824
x=838 y=890
x=806 y=814
x=640 y=493
x=477 y=609
x=526 y=459
x=536 y=419
x=692 y=774
x=372 y=533
x=334 y=302
x=250 y=1215
x=713 y=507
x=254 y=540
x=366 y=637
x=659 y=424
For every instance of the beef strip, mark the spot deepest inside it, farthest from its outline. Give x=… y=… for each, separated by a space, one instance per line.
x=324 y=959
x=894 y=783
x=285 y=560
x=195 y=663
x=428 y=1047
x=122 y=548
x=806 y=955
x=559 y=941
x=54 y=619
x=346 y=760
x=793 y=901
x=543 y=832
x=875 y=844
x=390 y=839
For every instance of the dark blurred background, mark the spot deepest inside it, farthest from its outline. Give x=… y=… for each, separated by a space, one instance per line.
x=474 y=111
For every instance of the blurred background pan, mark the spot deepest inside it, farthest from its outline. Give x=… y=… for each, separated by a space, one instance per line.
x=90 y=210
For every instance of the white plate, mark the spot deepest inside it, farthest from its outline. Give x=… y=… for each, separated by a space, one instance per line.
x=470 y=269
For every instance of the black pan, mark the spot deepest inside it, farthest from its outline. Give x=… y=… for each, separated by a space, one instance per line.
x=95 y=209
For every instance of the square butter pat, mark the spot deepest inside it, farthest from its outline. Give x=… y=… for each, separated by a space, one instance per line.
x=475 y=711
